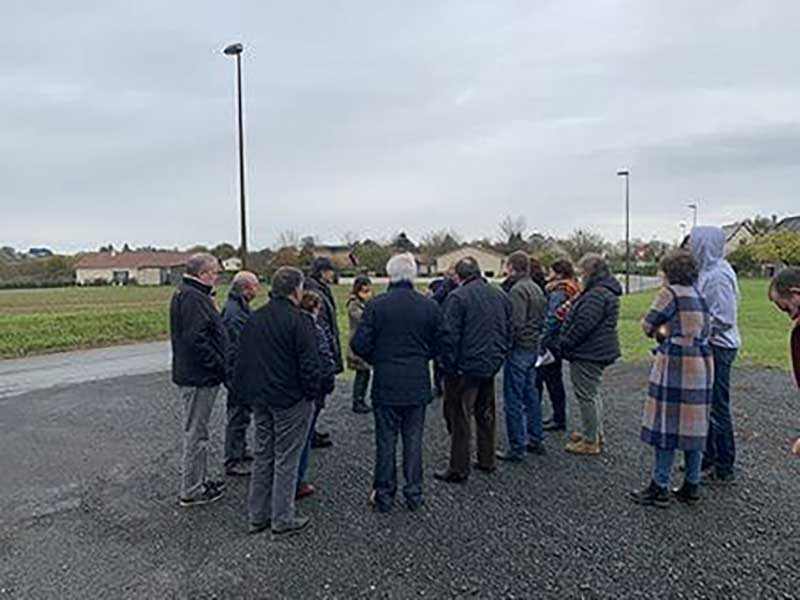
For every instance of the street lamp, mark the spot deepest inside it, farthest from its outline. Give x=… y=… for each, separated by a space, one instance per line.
x=693 y=207
x=236 y=50
x=627 y=175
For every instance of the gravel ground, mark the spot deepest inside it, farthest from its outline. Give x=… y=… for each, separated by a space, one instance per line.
x=88 y=510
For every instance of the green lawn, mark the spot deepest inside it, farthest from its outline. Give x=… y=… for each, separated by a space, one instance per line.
x=35 y=321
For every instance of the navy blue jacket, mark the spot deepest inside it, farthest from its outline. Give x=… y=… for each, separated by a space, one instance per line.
x=328 y=315
x=476 y=330
x=590 y=330
x=397 y=336
x=235 y=314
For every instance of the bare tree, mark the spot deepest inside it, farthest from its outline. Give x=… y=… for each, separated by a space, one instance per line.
x=289 y=239
x=512 y=228
x=350 y=238
x=440 y=242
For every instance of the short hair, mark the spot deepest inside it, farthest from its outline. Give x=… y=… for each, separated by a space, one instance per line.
x=402 y=267
x=361 y=282
x=321 y=264
x=311 y=301
x=467 y=268
x=286 y=281
x=520 y=262
x=200 y=263
x=593 y=265
x=563 y=267
x=538 y=273
x=679 y=267
x=242 y=279
x=782 y=284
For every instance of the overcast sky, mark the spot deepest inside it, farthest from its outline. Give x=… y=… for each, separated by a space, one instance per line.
x=117 y=118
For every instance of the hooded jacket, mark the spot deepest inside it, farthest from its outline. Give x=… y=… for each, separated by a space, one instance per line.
x=590 y=330
x=717 y=284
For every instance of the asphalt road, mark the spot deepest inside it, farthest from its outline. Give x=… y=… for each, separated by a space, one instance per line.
x=88 y=510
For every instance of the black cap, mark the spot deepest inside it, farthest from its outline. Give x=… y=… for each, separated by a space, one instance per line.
x=320 y=264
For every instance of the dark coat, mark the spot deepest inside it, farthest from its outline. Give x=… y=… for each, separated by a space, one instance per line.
x=328 y=315
x=475 y=336
x=326 y=361
x=235 y=314
x=397 y=336
x=199 y=341
x=795 y=342
x=355 y=311
x=279 y=363
x=441 y=288
x=528 y=310
x=590 y=332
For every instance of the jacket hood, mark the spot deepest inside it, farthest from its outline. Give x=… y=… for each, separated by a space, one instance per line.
x=708 y=245
x=607 y=281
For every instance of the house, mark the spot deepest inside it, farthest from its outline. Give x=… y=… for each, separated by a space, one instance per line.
x=341 y=256
x=144 y=267
x=232 y=264
x=492 y=264
x=426 y=265
x=788 y=224
x=738 y=234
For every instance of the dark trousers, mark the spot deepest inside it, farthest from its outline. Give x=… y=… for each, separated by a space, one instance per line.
x=360 y=386
x=552 y=376
x=720 y=445
x=466 y=398
x=237 y=421
x=391 y=422
x=302 y=470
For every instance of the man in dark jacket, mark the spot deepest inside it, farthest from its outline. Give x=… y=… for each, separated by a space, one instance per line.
x=590 y=342
x=521 y=400
x=199 y=345
x=323 y=275
x=278 y=371
x=397 y=336
x=244 y=289
x=474 y=340
x=440 y=289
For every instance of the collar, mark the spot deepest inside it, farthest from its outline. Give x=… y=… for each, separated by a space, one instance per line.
x=401 y=285
x=198 y=285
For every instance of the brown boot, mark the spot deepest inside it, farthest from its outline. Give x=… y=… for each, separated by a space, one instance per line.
x=583 y=447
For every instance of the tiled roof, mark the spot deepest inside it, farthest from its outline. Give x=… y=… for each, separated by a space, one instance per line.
x=789 y=224
x=132 y=260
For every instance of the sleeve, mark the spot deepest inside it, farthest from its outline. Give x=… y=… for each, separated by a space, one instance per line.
x=583 y=320
x=551 y=323
x=363 y=342
x=450 y=333
x=518 y=311
x=355 y=312
x=206 y=336
x=721 y=299
x=661 y=311
x=435 y=327
x=310 y=369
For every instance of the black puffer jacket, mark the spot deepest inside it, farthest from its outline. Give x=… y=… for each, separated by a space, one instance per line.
x=590 y=330
x=397 y=336
x=235 y=314
x=475 y=336
x=199 y=341
x=328 y=316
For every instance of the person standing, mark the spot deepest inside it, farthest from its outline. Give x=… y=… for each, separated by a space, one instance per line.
x=360 y=295
x=521 y=400
x=279 y=372
x=784 y=291
x=474 y=340
x=719 y=287
x=397 y=336
x=199 y=346
x=323 y=275
x=244 y=289
x=590 y=342
x=675 y=415
x=560 y=290
x=439 y=289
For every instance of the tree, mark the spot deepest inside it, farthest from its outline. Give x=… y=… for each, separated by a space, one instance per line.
x=372 y=256
x=778 y=247
x=288 y=239
x=402 y=243
x=350 y=238
x=224 y=251
x=761 y=225
x=512 y=230
x=436 y=243
x=744 y=260
x=288 y=256
x=582 y=242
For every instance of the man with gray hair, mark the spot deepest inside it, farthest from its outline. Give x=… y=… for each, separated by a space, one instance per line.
x=199 y=344
x=244 y=289
x=397 y=336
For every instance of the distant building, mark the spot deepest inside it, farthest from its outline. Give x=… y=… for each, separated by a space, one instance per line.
x=341 y=256
x=40 y=252
x=122 y=268
x=492 y=263
x=788 y=224
x=426 y=265
x=232 y=264
x=738 y=234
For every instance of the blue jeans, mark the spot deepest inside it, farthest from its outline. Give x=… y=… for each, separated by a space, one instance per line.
x=521 y=401
x=720 y=445
x=408 y=422
x=662 y=472
x=303 y=468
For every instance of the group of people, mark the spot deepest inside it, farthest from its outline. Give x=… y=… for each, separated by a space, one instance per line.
x=279 y=364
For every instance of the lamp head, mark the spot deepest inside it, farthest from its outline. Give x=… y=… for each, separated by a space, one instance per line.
x=233 y=49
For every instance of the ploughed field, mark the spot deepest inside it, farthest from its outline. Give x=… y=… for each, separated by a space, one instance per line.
x=48 y=320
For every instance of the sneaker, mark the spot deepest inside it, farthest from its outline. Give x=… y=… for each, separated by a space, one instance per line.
x=295 y=526
x=210 y=494
x=258 y=527
x=652 y=495
x=536 y=448
x=553 y=426
x=583 y=447
x=361 y=408
x=238 y=469
x=305 y=490
x=688 y=493
x=509 y=456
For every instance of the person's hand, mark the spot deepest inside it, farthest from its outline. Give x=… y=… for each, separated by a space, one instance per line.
x=796 y=447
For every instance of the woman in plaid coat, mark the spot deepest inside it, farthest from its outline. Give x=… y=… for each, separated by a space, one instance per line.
x=675 y=415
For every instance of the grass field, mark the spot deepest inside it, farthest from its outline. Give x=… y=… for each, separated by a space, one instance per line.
x=36 y=321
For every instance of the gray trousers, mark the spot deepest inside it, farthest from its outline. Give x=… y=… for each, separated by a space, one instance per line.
x=586 y=378
x=280 y=434
x=198 y=403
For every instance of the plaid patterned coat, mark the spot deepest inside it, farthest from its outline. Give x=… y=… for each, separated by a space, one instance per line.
x=676 y=412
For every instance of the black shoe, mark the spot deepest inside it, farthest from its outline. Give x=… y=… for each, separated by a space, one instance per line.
x=248 y=457
x=361 y=408
x=718 y=478
x=296 y=526
x=238 y=469
x=258 y=527
x=652 y=495
x=553 y=426
x=218 y=484
x=415 y=505
x=322 y=434
x=480 y=467
x=536 y=448
x=320 y=442
x=449 y=477
x=210 y=494
x=688 y=493
x=508 y=456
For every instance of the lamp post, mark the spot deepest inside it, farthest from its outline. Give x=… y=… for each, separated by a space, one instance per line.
x=693 y=207
x=627 y=175
x=236 y=50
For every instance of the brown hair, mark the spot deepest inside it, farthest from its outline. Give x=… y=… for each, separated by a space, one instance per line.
x=311 y=301
x=679 y=267
x=520 y=262
x=782 y=284
x=361 y=282
x=563 y=268
x=538 y=274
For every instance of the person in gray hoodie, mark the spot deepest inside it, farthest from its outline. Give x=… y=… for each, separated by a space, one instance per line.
x=718 y=285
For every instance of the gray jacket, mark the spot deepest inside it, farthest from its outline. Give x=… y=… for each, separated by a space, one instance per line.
x=528 y=310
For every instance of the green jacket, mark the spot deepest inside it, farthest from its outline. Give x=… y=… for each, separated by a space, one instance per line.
x=528 y=311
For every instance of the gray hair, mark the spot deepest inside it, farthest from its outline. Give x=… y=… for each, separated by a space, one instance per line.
x=242 y=280
x=286 y=281
x=200 y=263
x=402 y=267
